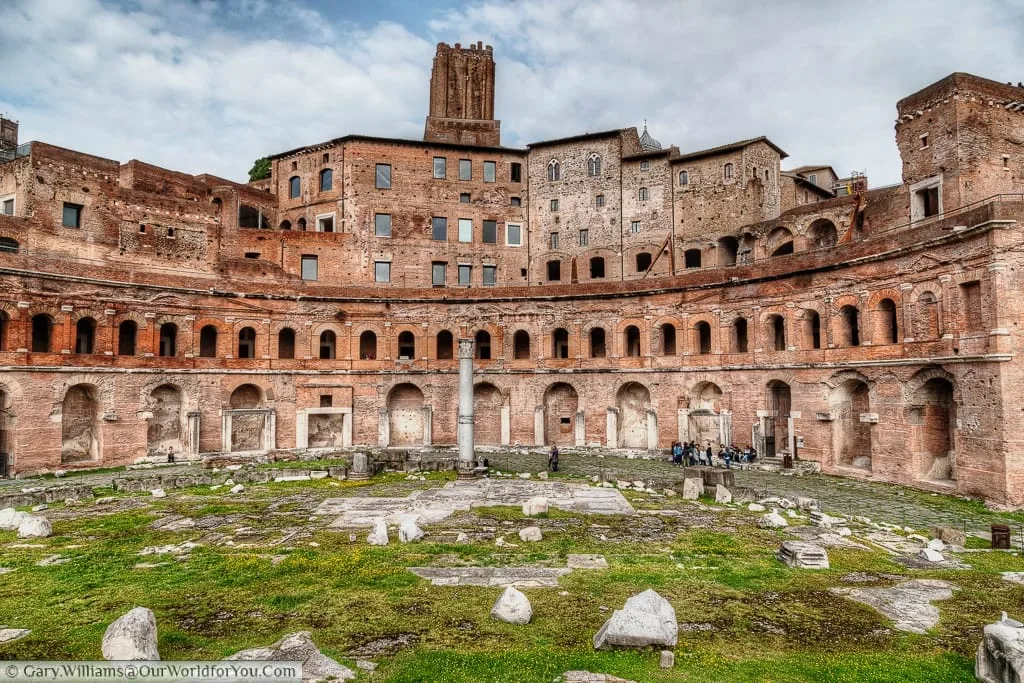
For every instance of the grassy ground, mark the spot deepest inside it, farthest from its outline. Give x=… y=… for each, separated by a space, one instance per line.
x=744 y=615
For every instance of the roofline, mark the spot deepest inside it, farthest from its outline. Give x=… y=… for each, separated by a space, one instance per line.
x=712 y=151
x=576 y=138
x=392 y=141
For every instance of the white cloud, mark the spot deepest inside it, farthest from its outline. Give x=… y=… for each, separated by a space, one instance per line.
x=207 y=86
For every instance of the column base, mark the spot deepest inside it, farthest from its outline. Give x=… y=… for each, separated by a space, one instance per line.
x=358 y=476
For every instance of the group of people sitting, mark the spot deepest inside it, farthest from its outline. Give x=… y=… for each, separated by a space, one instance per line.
x=692 y=454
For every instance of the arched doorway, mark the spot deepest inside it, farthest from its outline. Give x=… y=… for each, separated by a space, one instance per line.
x=561 y=403
x=405 y=416
x=705 y=414
x=633 y=401
x=932 y=419
x=6 y=446
x=851 y=435
x=163 y=434
x=778 y=399
x=487 y=404
x=248 y=421
x=79 y=425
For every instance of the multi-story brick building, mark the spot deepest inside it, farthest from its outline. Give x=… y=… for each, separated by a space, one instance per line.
x=621 y=294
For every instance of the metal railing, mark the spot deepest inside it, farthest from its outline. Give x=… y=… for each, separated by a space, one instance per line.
x=16 y=153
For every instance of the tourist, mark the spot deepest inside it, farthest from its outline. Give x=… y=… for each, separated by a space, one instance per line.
x=553 y=459
x=677 y=453
x=726 y=455
x=692 y=454
x=708 y=453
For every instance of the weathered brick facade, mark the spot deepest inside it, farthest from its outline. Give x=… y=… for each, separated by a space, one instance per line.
x=147 y=311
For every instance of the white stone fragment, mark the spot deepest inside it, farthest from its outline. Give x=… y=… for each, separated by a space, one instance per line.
x=379 y=535
x=132 y=637
x=512 y=607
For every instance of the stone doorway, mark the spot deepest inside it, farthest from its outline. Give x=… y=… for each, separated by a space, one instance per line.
x=79 y=425
x=405 y=416
x=851 y=426
x=487 y=415
x=634 y=403
x=561 y=403
x=932 y=417
x=165 y=428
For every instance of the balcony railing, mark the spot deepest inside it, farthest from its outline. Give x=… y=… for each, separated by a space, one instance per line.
x=16 y=153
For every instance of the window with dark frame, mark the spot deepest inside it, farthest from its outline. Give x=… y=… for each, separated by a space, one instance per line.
x=490 y=170
x=438 y=274
x=326 y=180
x=72 y=215
x=382 y=225
x=465 y=275
x=383 y=177
x=294 y=187
x=440 y=167
x=490 y=276
x=439 y=228
x=490 y=232
x=516 y=172
x=309 y=267
x=382 y=271
x=465 y=169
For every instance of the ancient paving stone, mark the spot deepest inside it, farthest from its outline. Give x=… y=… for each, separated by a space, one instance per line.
x=9 y=634
x=908 y=603
x=435 y=505
x=803 y=555
x=823 y=537
x=579 y=561
x=519 y=577
x=589 y=677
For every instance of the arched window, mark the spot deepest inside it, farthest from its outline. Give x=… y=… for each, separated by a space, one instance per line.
x=560 y=343
x=631 y=337
x=208 y=342
x=521 y=345
x=127 y=332
x=812 y=329
x=668 y=339
x=286 y=225
x=85 y=335
x=42 y=331
x=168 y=340
x=727 y=171
x=406 y=346
x=598 y=349
x=643 y=262
x=642 y=194
x=445 y=345
x=247 y=343
x=849 y=326
x=594 y=165
x=329 y=345
x=702 y=337
x=739 y=335
x=326 y=180
x=301 y=224
x=691 y=258
x=554 y=170
x=822 y=233
x=286 y=343
x=780 y=241
x=368 y=345
x=887 y=326
x=728 y=247
x=483 y=345
x=777 y=332
x=294 y=187
x=596 y=267
x=8 y=245
x=684 y=178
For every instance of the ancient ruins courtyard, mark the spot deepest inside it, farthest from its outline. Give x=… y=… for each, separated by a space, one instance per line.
x=240 y=557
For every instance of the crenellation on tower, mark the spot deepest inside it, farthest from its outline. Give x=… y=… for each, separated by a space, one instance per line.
x=462 y=96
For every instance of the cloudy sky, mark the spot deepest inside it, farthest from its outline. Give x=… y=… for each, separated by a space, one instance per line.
x=210 y=85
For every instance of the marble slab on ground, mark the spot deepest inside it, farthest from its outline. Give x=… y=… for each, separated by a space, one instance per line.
x=521 y=577
x=434 y=505
x=908 y=604
x=823 y=537
x=586 y=561
x=894 y=543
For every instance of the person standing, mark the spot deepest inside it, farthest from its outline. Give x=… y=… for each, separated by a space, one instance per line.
x=709 y=454
x=553 y=459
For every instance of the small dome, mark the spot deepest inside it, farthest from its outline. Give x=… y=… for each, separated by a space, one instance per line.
x=648 y=143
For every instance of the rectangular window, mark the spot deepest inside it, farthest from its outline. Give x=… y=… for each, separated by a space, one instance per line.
x=554 y=205
x=325 y=223
x=465 y=198
x=599 y=201
x=465 y=169
x=440 y=167
x=309 y=267
x=634 y=227
x=813 y=178
x=7 y=208
x=584 y=237
x=516 y=176
x=930 y=199
x=438 y=274
x=465 y=229
x=326 y=180
x=645 y=165
x=490 y=276
x=553 y=240
x=970 y=299
x=382 y=225
x=515 y=201
x=554 y=271
x=465 y=275
x=490 y=232
x=643 y=194
x=924 y=141
x=490 y=168
x=326 y=400
x=72 y=215
x=439 y=228
x=382 y=271
x=513 y=235
x=383 y=177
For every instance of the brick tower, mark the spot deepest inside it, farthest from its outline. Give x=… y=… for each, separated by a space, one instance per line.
x=8 y=134
x=462 y=97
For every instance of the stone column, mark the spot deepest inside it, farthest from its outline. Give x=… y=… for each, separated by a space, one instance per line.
x=580 y=427
x=384 y=428
x=725 y=427
x=506 y=425
x=192 y=422
x=360 y=467
x=467 y=455
x=538 y=426
x=683 y=430
x=612 y=428
x=652 y=430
